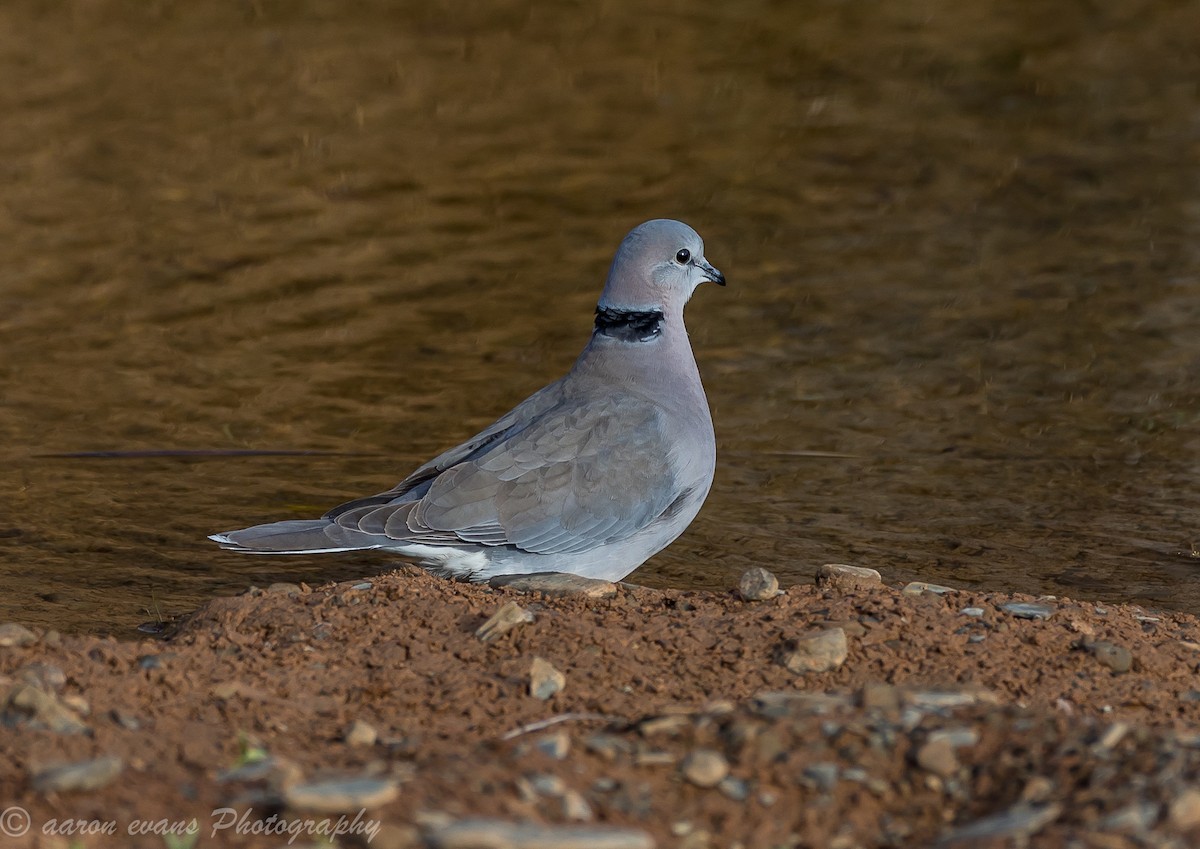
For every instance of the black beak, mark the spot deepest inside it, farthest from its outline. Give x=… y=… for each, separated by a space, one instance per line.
x=711 y=273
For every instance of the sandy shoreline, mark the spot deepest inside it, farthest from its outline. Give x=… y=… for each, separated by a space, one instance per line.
x=680 y=721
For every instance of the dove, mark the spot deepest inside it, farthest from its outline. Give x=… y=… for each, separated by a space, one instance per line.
x=591 y=475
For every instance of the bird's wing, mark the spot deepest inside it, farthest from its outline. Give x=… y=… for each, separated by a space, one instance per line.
x=571 y=477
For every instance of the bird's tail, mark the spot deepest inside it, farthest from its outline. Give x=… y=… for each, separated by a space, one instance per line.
x=302 y=536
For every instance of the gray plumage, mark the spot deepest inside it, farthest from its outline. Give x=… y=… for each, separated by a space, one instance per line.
x=592 y=475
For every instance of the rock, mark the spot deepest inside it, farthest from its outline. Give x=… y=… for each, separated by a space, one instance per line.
x=921 y=587
x=556 y=584
x=498 y=834
x=1117 y=658
x=555 y=745
x=1016 y=824
x=818 y=652
x=1028 y=609
x=972 y=611
x=937 y=756
x=1134 y=818
x=736 y=789
x=341 y=795
x=28 y=703
x=823 y=776
x=957 y=737
x=758 y=584
x=950 y=698
x=509 y=616
x=14 y=635
x=284 y=588
x=1184 y=810
x=359 y=733
x=544 y=679
x=839 y=576
x=79 y=775
x=1112 y=735
x=704 y=767
x=44 y=676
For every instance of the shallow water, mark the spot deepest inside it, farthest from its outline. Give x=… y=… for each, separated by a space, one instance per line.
x=959 y=342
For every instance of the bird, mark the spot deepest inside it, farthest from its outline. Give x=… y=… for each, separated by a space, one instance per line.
x=591 y=475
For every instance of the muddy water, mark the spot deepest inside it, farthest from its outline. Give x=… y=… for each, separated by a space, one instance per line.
x=959 y=342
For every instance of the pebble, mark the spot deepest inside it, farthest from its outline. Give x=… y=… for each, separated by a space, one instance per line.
x=544 y=679
x=43 y=709
x=1117 y=658
x=920 y=587
x=938 y=757
x=556 y=584
x=79 y=775
x=555 y=745
x=818 y=652
x=824 y=776
x=839 y=576
x=704 y=767
x=14 y=635
x=45 y=676
x=1017 y=823
x=758 y=584
x=509 y=616
x=1028 y=609
x=341 y=795
x=1136 y=817
x=972 y=611
x=1184 y=810
x=359 y=733
x=498 y=834
x=284 y=588
x=734 y=788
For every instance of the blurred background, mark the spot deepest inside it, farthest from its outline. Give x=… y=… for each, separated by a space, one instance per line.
x=959 y=342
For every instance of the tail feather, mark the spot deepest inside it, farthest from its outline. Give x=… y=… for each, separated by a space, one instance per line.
x=302 y=536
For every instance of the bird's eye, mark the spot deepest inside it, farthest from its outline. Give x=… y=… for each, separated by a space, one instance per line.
x=683 y=256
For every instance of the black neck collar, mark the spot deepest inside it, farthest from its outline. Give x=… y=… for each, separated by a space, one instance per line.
x=629 y=325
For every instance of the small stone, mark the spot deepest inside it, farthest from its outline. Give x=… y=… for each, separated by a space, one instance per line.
x=362 y=586
x=544 y=679
x=509 y=616
x=818 y=652
x=26 y=702
x=1037 y=789
x=1185 y=809
x=1117 y=658
x=1016 y=824
x=1112 y=735
x=607 y=746
x=921 y=587
x=704 y=767
x=938 y=757
x=839 y=576
x=14 y=635
x=556 y=584
x=341 y=795
x=359 y=733
x=556 y=745
x=1028 y=609
x=125 y=719
x=45 y=676
x=972 y=611
x=758 y=584
x=734 y=788
x=1135 y=818
x=959 y=738
x=284 y=588
x=79 y=775
x=576 y=807
x=823 y=776
x=498 y=834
